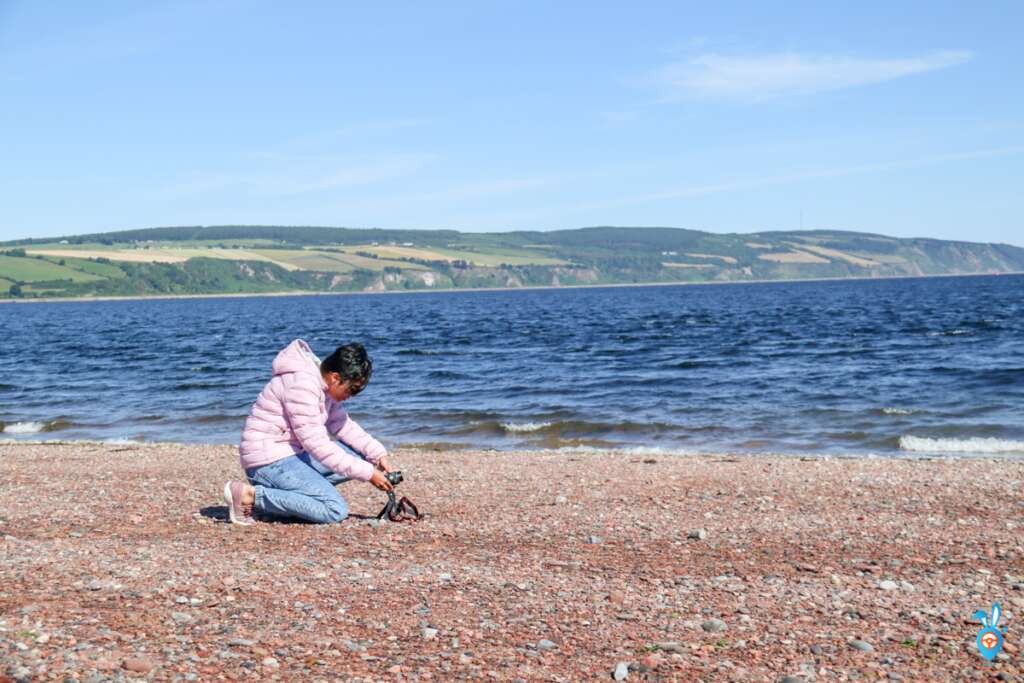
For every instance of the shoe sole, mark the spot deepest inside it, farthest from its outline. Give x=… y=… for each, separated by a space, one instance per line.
x=231 y=507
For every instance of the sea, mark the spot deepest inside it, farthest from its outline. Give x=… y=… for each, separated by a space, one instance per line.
x=916 y=367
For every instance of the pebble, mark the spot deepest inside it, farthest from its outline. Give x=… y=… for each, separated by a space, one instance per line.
x=791 y=679
x=546 y=644
x=594 y=540
x=270 y=662
x=241 y=642
x=670 y=646
x=816 y=650
x=621 y=671
x=560 y=500
x=697 y=534
x=181 y=617
x=862 y=645
x=714 y=626
x=429 y=633
x=139 y=665
x=95 y=585
x=888 y=585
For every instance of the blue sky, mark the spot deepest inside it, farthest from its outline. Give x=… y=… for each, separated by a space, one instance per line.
x=905 y=119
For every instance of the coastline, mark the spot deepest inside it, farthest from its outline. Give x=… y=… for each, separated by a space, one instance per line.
x=242 y=295
x=529 y=566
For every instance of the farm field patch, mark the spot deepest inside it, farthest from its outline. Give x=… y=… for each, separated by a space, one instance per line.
x=25 y=269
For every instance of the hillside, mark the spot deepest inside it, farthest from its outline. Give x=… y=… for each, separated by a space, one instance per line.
x=237 y=259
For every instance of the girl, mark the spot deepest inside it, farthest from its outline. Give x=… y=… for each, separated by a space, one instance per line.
x=287 y=451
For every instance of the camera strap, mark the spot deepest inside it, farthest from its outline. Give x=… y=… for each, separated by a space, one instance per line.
x=401 y=511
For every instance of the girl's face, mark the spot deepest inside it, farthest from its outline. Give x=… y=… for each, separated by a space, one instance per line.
x=340 y=389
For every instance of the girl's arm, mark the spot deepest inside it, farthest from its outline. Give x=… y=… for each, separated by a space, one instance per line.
x=355 y=437
x=302 y=410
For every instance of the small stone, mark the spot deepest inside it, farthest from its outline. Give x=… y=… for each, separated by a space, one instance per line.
x=429 y=633
x=43 y=638
x=270 y=663
x=241 y=642
x=714 y=626
x=181 y=617
x=546 y=644
x=907 y=586
x=816 y=650
x=862 y=645
x=670 y=646
x=561 y=500
x=95 y=585
x=444 y=577
x=697 y=534
x=888 y=585
x=621 y=671
x=139 y=665
x=791 y=679
x=594 y=540
x=372 y=522
x=617 y=597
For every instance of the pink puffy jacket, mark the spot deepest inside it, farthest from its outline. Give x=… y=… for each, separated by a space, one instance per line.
x=294 y=413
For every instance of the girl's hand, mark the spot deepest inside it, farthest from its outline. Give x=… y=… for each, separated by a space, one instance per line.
x=383 y=465
x=380 y=481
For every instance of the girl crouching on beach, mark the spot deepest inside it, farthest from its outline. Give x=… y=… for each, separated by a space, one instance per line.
x=287 y=452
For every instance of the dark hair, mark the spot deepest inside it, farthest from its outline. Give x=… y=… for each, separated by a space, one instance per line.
x=350 y=361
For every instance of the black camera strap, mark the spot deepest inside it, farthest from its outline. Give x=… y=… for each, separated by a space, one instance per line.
x=400 y=511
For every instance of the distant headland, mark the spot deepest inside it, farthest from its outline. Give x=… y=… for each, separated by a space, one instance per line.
x=240 y=259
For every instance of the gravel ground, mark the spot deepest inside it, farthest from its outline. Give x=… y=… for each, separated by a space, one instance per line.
x=117 y=564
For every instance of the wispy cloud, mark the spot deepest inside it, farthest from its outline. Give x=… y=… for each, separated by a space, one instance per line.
x=765 y=77
x=699 y=190
x=300 y=178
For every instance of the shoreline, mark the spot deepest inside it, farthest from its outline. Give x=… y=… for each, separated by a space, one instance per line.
x=246 y=295
x=586 y=451
x=118 y=561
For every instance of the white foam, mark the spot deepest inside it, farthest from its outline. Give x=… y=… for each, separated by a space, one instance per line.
x=525 y=426
x=122 y=441
x=636 y=451
x=922 y=444
x=898 y=411
x=24 y=428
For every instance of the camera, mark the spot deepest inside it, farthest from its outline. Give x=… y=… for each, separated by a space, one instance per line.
x=394 y=477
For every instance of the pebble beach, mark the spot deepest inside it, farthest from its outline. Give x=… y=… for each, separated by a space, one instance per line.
x=117 y=564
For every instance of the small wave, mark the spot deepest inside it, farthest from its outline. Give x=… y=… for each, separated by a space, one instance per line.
x=417 y=352
x=922 y=444
x=898 y=411
x=23 y=428
x=525 y=426
x=123 y=441
x=35 y=427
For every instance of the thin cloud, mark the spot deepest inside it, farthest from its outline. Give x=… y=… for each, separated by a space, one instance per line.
x=301 y=179
x=765 y=77
x=785 y=179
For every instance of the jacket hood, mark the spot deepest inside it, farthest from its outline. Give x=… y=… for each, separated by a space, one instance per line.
x=296 y=357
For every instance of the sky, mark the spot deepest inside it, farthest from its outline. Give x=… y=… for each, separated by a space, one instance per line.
x=905 y=119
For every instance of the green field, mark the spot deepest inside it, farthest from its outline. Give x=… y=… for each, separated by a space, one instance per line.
x=25 y=269
x=91 y=267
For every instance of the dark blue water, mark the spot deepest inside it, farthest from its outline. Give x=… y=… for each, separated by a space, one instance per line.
x=890 y=367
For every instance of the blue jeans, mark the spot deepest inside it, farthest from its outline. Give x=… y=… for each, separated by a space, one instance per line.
x=299 y=486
